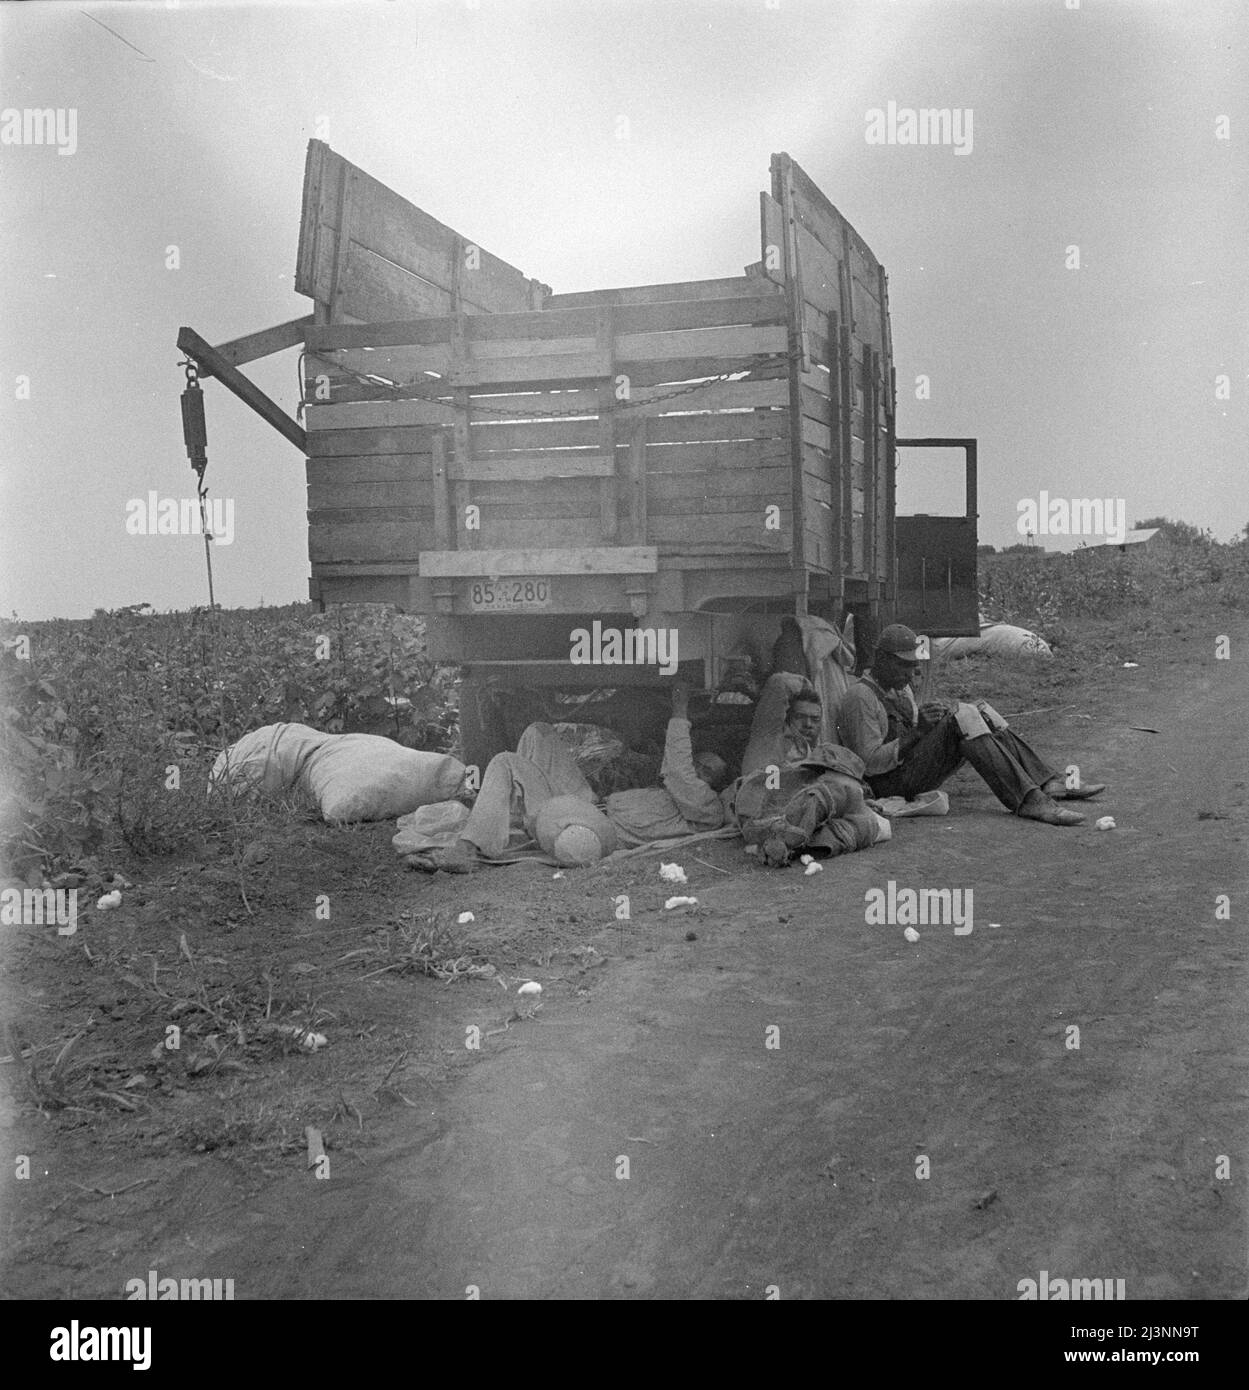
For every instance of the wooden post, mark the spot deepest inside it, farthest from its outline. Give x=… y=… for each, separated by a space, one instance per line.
x=605 y=343
x=442 y=499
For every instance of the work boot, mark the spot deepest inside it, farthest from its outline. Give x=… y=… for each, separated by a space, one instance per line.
x=1038 y=806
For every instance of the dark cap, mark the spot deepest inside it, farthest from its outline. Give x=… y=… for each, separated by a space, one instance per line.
x=898 y=641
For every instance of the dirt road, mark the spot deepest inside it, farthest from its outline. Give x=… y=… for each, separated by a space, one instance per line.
x=650 y=1137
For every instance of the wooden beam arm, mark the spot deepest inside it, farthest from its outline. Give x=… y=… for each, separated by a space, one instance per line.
x=211 y=362
x=252 y=346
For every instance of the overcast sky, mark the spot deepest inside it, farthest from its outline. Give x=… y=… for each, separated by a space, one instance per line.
x=1095 y=127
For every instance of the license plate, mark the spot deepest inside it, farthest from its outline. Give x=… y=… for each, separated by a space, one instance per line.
x=509 y=595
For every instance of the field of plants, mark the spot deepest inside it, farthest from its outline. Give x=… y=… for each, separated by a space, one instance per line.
x=111 y=724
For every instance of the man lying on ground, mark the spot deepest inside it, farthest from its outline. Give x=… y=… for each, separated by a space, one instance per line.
x=539 y=793
x=907 y=749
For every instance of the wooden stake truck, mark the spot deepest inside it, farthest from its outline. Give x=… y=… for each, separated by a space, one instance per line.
x=697 y=458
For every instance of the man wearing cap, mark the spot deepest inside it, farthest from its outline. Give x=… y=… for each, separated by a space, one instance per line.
x=907 y=749
x=539 y=793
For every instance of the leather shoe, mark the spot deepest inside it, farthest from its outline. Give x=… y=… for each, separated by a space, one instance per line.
x=1037 y=806
x=1080 y=793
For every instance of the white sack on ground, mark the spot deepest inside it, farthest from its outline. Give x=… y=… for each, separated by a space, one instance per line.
x=351 y=777
x=271 y=759
x=996 y=639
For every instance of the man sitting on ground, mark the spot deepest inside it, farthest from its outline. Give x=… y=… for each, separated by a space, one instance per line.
x=786 y=723
x=539 y=793
x=908 y=750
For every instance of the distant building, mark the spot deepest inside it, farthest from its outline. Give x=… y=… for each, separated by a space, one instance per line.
x=1131 y=538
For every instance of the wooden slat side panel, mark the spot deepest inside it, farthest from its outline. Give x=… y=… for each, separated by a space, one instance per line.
x=370 y=540
x=347 y=442
x=347 y=470
x=636 y=559
x=352 y=225
x=343 y=496
x=733 y=288
x=761 y=486
x=710 y=458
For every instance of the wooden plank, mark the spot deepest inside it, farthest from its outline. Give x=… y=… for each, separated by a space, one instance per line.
x=533 y=468
x=772 y=239
x=845 y=430
x=375 y=415
x=267 y=341
x=815 y=404
x=681 y=371
x=394 y=333
x=545 y=367
x=719 y=425
x=733 y=288
x=616 y=559
x=744 y=341
x=407 y=364
x=330 y=570
x=813 y=432
x=544 y=497
x=369 y=540
x=820 y=270
x=369 y=468
x=755 y=307
x=661 y=458
x=835 y=461
x=305 y=258
x=719 y=395
x=769 y=484
x=870 y=463
x=605 y=337
x=211 y=363
x=643 y=400
x=635 y=483
x=816 y=463
x=370 y=287
x=388 y=227
x=534 y=532
x=342 y=496
x=746 y=511
x=347 y=443
x=729 y=533
x=443 y=530
x=328 y=517
x=536 y=434
x=798 y=363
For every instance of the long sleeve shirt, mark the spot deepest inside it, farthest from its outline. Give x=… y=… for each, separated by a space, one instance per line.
x=684 y=805
x=871 y=720
x=769 y=744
